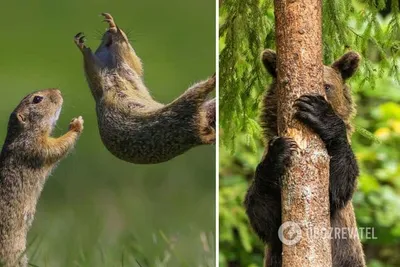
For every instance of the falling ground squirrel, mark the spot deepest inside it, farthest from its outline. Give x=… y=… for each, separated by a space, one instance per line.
x=133 y=126
x=28 y=156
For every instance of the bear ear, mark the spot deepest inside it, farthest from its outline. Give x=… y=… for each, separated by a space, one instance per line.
x=268 y=58
x=347 y=64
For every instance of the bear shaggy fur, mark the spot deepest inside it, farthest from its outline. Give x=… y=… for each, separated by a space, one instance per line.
x=330 y=120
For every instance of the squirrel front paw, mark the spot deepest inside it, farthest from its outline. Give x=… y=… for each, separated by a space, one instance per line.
x=76 y=124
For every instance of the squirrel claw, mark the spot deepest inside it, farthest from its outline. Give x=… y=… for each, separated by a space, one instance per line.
x=110 y=20
x=76 y=124
x=80 y=40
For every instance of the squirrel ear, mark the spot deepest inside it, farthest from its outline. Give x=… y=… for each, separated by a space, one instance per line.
x=347 y=64
x=268 y=58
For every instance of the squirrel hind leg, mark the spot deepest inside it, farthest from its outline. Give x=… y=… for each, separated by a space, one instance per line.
x=208 y=122
x=202 y=89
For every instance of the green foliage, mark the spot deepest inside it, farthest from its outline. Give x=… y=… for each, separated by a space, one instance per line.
x=347 y=25
x=238 y=244
x=243 y=30
x=247 y=27
x=378 y=198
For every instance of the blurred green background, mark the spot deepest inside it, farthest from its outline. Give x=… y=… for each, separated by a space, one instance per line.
x=96 y=210
x=372 y=28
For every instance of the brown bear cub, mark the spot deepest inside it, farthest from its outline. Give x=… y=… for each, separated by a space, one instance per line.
x=133 y=126
x=330 y=119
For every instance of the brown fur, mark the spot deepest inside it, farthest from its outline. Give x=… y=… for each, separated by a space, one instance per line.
x=28 y=156
x=133 y=126
x=339 y=96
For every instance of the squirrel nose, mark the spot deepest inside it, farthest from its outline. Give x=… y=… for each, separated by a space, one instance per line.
x=55 y=97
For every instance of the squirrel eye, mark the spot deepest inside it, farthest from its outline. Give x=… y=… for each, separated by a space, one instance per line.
x=37 y=99
x=327 y=87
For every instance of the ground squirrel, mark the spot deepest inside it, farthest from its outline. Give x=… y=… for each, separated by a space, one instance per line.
x=133 y=126
x=28 y=156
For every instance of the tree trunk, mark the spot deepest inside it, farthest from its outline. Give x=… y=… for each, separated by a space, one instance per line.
x=305 y=193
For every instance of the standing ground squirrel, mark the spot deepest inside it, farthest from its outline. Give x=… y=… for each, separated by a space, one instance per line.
x=28 y=156
x=133 y=126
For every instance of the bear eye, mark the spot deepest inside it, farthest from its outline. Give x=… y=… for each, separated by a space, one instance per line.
x=327 y=87
x=37 y=99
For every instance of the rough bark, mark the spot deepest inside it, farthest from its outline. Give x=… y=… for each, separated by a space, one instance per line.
x=305 y=193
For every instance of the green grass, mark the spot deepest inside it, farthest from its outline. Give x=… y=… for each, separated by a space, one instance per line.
x=130 y=253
